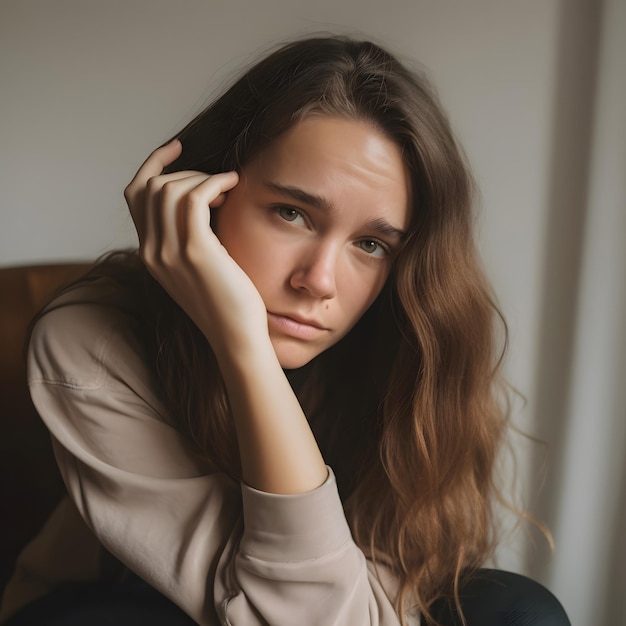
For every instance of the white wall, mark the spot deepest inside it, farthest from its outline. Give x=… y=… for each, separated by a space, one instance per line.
x=88 y=88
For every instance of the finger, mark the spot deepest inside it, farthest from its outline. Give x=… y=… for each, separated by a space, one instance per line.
x=148 y=207
x=154 y=164
x=163 y=195
x=135 y=191
x=198 y=215
x=166 y=211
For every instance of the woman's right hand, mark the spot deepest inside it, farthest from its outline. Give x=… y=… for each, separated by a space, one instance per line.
x=171 y=213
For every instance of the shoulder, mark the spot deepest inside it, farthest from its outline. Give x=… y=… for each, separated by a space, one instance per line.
x=96 y=391
x=86 y=347
x=85 y=340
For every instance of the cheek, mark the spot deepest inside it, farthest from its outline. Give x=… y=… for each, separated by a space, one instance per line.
x=256 y=256
x=358 y=297
x=234 y=232
x=261 y=269
x=230 y=221
x=246 y=255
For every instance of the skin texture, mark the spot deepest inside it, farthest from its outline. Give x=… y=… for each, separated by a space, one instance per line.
x=325 y=263
x=322 y=259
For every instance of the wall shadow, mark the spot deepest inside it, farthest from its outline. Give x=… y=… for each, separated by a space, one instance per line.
x=577 y=60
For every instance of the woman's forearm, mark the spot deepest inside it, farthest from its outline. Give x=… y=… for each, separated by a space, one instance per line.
x=279 y=453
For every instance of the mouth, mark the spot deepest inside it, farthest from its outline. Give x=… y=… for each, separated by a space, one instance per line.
x=296 y=326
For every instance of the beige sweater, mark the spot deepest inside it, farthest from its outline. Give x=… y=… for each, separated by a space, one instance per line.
x=224 y=552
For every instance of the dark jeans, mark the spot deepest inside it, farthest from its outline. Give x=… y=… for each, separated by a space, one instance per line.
x=492 y=598
x=497 y=598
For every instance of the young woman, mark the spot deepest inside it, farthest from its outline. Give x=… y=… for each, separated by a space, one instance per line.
x=285 y=408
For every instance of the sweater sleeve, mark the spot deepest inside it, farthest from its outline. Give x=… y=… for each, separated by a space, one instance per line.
x=224 y=552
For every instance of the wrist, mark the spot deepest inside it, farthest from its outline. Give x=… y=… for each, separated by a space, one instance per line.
x=278 y=451
x=243 y=352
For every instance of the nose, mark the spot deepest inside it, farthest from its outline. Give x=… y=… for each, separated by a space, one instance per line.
x=315 y=272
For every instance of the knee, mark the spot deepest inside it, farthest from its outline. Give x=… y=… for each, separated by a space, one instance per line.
x=524 y=601
x=494 y=597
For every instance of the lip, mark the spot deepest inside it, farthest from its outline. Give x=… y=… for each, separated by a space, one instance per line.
x=295 y=325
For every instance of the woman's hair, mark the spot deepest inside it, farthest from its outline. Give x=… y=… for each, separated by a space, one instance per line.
x=406 y=407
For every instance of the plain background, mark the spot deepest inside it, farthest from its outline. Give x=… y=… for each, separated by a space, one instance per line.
x=88 y=88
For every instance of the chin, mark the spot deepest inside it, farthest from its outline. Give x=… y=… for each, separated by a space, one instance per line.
x=293 y=363
x=294 y=357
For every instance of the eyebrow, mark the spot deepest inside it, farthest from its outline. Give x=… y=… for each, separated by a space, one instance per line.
x=379 y=225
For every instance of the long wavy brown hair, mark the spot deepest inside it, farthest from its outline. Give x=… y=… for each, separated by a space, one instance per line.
x=406 y=408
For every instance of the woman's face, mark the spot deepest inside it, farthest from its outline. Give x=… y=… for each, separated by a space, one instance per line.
x=314 y=222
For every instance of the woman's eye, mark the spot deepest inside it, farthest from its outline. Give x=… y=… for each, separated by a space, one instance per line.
x=373 y=248
x=289 y=214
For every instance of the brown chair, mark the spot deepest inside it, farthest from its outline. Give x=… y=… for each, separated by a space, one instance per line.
x=30 y=484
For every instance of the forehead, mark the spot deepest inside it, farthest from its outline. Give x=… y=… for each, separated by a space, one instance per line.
x=348 y=162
